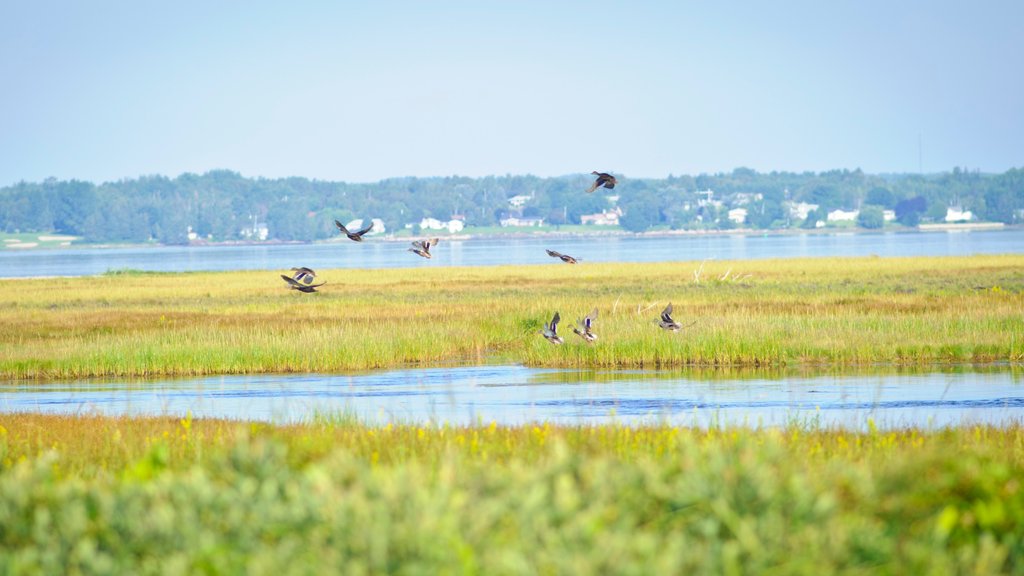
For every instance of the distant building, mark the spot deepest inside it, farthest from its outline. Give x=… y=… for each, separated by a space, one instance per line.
x=843 y=215
x=605 y=218
x=517 y=222
x=744 y=198
x=738 y=215
x=800 y=210
x=888 y=215
x=452 y=225
x=958 y=215
x=519 y=200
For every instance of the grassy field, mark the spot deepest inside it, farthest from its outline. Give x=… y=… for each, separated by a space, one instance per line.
x=168 y=496
x=754 y=313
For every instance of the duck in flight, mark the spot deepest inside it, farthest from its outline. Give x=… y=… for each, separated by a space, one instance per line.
x=423 y=248
x=668 y=323
x=303 y=274
x=551 y=331
x=296 y=285
x=564 y=257
x=603 y=179
x=357 y=236
x=586 y=325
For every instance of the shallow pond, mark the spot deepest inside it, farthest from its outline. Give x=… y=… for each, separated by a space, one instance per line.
x=514 y=394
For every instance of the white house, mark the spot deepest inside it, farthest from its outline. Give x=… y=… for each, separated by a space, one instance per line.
x=454 y=225
x=519 y=200
x=889 y=215
x=843 y=215
x=432 y=224
x=514 y=221
x=800 y=210
x=744 y=198
x=605 y=218
x=738 y=215
x=958 y=215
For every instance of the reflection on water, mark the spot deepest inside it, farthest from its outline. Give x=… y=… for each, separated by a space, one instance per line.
x=487 y=252
x=889 y=396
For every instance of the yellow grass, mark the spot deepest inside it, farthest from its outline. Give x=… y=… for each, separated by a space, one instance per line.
x=765 y=312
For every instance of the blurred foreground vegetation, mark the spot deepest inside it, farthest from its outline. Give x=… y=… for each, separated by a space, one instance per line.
x=89 y=495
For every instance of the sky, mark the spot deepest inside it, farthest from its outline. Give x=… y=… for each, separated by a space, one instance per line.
x=362 y=91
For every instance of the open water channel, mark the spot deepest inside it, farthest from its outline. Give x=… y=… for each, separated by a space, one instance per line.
x=885 y=396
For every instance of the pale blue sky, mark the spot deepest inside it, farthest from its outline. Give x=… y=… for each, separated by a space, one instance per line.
x=360 y=91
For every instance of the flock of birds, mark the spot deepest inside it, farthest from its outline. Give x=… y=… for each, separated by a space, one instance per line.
x=302 y=278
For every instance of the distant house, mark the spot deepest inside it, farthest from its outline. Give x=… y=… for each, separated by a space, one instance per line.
x=744 y=198
x=888 y=215
x=843 y=215
x=738 y=215
x=519 y=200
x=357 y=224
x=958 y=215
x=452 y=225
x=517 y=222
x=605 y=218
x=432 y=224
x=800 y=210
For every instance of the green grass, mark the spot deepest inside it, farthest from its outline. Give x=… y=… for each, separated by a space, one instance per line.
x=177 y=496
x=756 y=313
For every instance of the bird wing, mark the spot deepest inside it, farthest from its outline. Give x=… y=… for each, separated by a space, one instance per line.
x=553 y=254
x=365 y=230
x=666 y=314
x=430 y=243
x=554 y=323
x=291 y=281
x=594 y=186
x=590 y=318
x=417 y=244
x=341 y=227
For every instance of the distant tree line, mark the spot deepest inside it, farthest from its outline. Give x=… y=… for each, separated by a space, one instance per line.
x=223 y=205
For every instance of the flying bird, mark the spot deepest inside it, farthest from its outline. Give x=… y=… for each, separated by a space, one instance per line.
x=586 y=325
x=296 y=285
x=423 y=248
x=565 y=257
x=357 y=236
x=666 y=320
x=606 y=180
x=551 y=331
x=304 y=275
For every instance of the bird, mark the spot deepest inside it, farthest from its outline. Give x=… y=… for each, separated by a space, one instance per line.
x=357 y=236
x=603 y=179
x=666 y=320
x=586 y=324
x=304 y=275
x=565 y=257
x=296 y=285
x=423 y=248
x=551 y=331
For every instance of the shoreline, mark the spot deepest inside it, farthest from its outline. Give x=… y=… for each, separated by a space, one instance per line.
x=463 y=237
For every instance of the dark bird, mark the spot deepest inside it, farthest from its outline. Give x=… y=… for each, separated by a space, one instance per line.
x=423 y=248
x=666 y=320
x=357 y=236
x=304 y=275
x=606 y=180
x=551 y=331
x=565 y=257
x=296 y=285
x=586 y=325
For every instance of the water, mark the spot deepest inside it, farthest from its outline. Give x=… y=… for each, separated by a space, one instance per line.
x=516 y=395
x=482 y=252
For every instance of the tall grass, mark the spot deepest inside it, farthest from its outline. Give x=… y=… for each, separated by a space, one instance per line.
x=101 y=495
x=783 y=312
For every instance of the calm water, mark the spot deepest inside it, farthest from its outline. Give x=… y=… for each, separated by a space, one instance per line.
x=514 y=394
x=478 y=252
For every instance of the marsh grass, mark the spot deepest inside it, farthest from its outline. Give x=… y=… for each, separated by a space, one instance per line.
x=781 y=312
x=170 y=495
